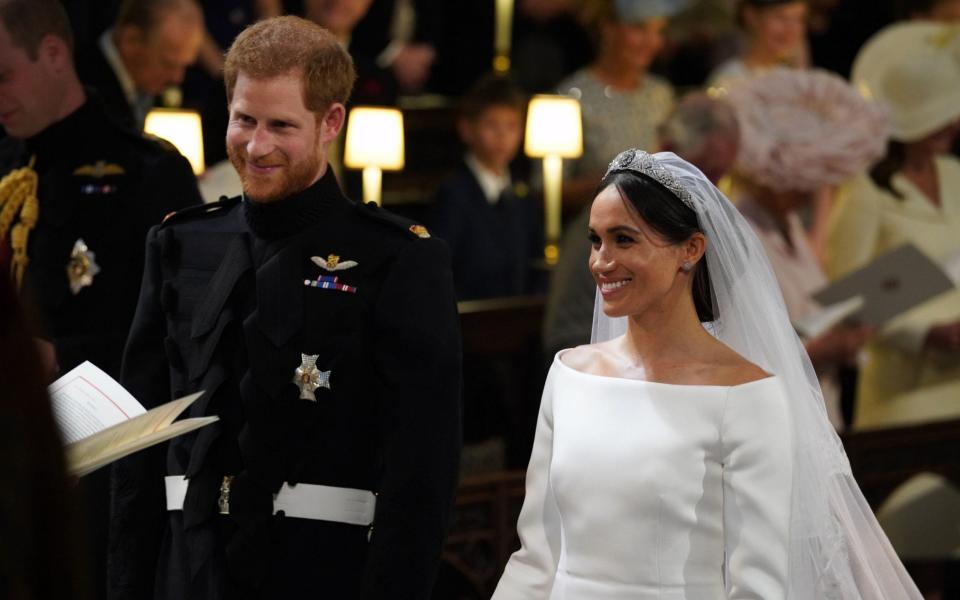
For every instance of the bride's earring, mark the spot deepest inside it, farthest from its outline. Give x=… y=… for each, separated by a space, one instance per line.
x=686 y=266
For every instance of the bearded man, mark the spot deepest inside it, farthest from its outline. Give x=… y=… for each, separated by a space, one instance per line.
x=325 y=335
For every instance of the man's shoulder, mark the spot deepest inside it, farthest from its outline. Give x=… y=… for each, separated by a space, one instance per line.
x=201 y=213
x=398 y=227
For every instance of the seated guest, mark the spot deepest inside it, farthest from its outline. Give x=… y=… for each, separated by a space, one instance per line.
x=622 y=102
x=775 y=36
x=494 y=236
x=704 y=131
x=911 y=196
x=784 y=110
x=147 y=50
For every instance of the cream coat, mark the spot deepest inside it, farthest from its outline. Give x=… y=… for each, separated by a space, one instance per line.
x=902 y=382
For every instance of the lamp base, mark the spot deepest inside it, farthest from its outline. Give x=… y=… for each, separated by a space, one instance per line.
x=551 y=254
x=372 y=177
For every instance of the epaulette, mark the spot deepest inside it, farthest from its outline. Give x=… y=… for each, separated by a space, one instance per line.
x=200 y=210
x=375 y=212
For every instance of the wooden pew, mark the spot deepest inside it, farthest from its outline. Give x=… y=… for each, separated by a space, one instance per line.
x=882 y=459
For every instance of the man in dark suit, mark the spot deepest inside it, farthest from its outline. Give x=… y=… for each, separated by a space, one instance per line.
x=148 y=49
x=325 y=335
x=78 y=197
x=495 y=236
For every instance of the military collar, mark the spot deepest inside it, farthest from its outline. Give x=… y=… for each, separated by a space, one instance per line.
x=296 y=212
x=66 y=135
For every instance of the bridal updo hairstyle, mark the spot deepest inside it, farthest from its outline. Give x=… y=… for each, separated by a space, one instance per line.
x=670 y=217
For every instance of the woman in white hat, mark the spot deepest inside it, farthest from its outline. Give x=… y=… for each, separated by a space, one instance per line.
x=912 y=374
x=775 y=37
x=911 y=196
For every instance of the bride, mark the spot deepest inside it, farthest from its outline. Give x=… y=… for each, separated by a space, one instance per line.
x=686 y=454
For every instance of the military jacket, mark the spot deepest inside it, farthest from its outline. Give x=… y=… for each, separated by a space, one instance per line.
x=235 y=295
x=102 y=186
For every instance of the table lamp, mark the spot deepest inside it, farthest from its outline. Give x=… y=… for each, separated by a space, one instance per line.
x=181 y=128
x=553 y=133
x=374 y=142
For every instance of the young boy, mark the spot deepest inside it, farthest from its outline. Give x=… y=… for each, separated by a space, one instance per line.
x=494 y=236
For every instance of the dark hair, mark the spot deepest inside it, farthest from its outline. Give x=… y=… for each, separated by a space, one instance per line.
x=670 y=217
x=28 y=21
x=40 y=555
x=882 y=173
x=492 y=90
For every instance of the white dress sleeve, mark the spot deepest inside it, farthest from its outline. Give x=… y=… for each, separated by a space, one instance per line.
x=531 y=570
x=756 y=437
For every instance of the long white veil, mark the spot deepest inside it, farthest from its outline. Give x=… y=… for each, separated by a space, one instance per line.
x=837 y=549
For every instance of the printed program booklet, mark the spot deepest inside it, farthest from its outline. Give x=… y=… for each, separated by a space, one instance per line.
x=100 y=421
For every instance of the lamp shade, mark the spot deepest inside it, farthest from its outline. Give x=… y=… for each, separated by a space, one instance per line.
x=553 y=127
x=181 y=128
x=374 y=139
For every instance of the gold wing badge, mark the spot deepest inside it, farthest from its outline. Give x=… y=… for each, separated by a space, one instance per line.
x=333 y=263
x=99 y=169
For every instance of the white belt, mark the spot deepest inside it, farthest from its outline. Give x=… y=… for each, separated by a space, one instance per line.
x=303 y=501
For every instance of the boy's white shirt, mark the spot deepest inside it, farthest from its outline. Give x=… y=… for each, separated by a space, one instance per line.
x=491 y=183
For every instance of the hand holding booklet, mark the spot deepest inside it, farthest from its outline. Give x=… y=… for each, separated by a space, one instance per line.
x=101 y=422
x=883 y=289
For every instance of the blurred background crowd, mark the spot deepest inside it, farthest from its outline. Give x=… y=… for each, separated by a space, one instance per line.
x=832 y=124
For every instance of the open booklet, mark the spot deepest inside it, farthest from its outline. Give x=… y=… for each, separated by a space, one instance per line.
x=101 y=422
x=883 y=289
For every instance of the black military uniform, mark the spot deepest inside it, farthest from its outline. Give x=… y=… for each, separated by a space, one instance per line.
x=236 y=297
x=100 y=188
x=106 y=186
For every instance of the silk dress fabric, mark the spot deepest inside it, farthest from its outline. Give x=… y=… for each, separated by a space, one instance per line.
x=640 y=490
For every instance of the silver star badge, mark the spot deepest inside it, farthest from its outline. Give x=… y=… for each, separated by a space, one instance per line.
x=82 y=267
x=309 y=378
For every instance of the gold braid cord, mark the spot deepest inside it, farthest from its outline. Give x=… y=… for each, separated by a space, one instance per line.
x=18 y=195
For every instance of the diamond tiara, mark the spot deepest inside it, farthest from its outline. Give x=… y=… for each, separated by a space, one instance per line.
x=642 y=162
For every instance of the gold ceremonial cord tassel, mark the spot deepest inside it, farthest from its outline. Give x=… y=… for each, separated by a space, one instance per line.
x=18 y=194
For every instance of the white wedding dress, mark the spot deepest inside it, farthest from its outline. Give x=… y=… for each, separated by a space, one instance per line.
x=640 y=490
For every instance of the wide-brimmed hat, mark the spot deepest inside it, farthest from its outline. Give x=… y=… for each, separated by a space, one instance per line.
x=914 y=69
x=803 y=129
x=632 y=11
